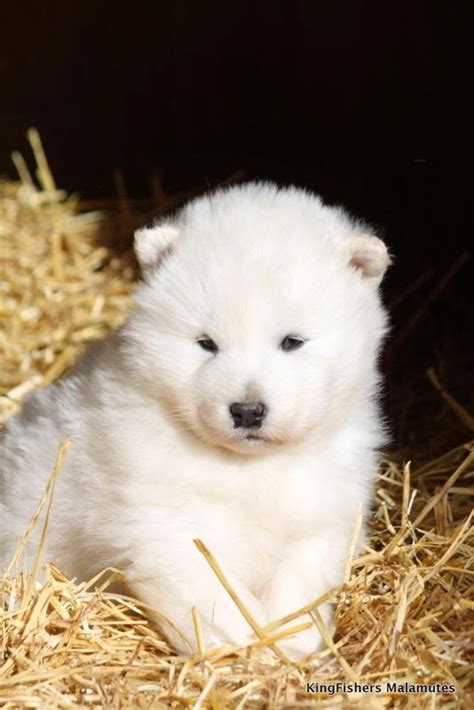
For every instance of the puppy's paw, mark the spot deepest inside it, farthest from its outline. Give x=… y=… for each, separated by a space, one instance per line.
x=238 y=641
x=215 y=641
x=302 y=645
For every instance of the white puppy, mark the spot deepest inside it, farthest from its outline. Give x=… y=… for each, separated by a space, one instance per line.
x=237 y=405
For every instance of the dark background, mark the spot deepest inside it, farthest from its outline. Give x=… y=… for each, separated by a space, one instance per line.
x=367 y=103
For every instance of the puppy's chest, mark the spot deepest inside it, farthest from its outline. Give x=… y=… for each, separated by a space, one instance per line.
x=289 y=504
x=283 y=499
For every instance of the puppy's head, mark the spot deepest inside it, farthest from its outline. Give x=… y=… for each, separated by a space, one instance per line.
x=259 y=320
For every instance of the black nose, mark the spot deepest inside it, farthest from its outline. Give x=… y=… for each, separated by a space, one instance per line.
x=247 y=414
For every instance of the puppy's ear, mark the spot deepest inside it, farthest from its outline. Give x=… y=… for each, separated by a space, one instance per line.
x=152 y=244
x=369 y=256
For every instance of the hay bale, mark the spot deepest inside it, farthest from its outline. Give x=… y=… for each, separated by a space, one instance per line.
x=59 y=287
x=404 y=613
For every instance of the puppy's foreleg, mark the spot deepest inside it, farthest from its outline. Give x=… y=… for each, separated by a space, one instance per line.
x=173 y=586
x=307 y=569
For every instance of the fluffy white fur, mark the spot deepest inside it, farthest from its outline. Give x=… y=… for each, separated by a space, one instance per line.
x=156 y=460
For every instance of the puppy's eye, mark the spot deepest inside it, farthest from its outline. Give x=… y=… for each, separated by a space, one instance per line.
x=208 y=344
x=291 y=342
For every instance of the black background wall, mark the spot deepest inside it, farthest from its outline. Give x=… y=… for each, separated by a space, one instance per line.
x=365 y=102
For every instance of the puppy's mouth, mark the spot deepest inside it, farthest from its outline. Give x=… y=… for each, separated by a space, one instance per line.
x=254 y=437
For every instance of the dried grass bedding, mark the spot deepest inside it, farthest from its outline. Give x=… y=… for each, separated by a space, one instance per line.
x=405 y=613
